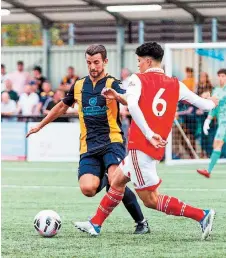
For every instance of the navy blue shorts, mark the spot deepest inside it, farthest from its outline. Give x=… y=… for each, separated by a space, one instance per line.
x=98 y=163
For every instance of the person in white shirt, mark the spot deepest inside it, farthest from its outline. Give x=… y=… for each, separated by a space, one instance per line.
x=28 y=102
x=4 y=77
x=8 y=107
x=19 y=78
x=125 y=74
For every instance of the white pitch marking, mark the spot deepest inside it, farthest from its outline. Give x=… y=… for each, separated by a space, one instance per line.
x=77 y=187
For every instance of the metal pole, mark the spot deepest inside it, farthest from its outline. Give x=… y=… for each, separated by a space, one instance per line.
x=71 y=30
x=141 y=32
x=46 y=52
x=197 y=33
x=120 y=48
x=214 y=30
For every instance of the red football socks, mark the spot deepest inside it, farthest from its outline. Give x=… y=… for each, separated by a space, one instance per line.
x=111 y=199
x=173 y=206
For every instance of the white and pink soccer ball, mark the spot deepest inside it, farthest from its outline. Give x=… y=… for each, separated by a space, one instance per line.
x=47 y=223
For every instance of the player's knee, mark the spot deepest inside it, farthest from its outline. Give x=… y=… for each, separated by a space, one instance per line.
x=88 y=190
x=150 y=202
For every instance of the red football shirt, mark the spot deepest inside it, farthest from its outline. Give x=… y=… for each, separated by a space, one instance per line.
x=158 y=103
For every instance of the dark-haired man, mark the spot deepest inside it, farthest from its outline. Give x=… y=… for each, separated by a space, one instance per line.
x=69 y=79
x=220 y=114
x=152 y=99
x=101 y=141
x=39 y=78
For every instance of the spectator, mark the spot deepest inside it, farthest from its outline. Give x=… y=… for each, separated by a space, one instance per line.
x=68 y=80
x=39 y=79
x=8 y=107
x=19 y=78
x=3 y=77
x=8 y=88
x=125 y=74
x=204 y=90
x=204 y=84
x=28 y=102
x=45 y=96
x=57 y=97
x=189 y=81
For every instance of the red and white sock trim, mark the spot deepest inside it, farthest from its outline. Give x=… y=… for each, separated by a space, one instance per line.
x=160 y=201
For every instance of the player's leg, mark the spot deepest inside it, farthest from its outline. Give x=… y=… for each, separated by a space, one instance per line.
x=147 y=182
x=110 y=201
x=89 y=175
x=131 y=204
x=218 y=143
x=111 y=159
x=173 y=206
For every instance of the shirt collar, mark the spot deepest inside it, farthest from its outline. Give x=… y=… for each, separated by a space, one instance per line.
x=155 y=69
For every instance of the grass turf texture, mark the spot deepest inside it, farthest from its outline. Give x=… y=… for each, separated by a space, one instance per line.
x=28 y=188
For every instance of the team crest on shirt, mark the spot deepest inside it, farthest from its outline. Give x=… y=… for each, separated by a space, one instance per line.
x=93 y=101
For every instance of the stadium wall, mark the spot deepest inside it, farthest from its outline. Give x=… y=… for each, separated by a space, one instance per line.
x=62 y=57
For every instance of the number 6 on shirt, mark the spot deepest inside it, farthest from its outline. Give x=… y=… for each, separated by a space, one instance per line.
x=157 y=100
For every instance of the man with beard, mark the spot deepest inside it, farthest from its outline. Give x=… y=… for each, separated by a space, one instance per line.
x=102 y=144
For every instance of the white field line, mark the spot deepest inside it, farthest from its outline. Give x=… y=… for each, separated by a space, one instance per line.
x=75 y=169
x=77 y=187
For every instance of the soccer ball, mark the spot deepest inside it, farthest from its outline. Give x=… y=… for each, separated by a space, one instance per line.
x=47 y=223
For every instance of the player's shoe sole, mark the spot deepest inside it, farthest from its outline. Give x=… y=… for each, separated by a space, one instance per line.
x=207 y=224
x=204 y=172
x=87 y=227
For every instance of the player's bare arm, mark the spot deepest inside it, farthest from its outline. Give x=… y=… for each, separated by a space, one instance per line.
x=112 y=94
x=54 y=113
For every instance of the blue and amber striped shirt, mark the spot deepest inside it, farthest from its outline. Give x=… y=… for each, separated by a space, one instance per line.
x=99 y=118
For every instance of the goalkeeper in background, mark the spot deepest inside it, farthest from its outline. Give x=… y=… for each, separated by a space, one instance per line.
x=220 y=113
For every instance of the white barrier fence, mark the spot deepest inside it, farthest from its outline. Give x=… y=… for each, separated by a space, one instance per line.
x=55 y=142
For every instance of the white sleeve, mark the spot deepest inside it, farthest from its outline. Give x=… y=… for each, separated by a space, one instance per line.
x=189 y=96
x=133 y=95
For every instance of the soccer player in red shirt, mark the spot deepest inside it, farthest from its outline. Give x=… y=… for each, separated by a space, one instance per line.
x=152 y=99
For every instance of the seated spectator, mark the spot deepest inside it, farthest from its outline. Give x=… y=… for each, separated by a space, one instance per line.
x=3 y=77
x=204 y=85
x=57 y=97
x=45 y=96
x=125 y=74
x=189 y=81
x=68 y=80
x=19 y=78
x=8 y=88
x=28 y=102
x=8 y=107
x=39 y=79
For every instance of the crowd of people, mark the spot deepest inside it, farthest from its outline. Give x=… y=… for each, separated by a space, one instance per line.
x=33 y=95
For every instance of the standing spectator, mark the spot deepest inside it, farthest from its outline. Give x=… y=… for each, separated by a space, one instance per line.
x=39 y=79
x=189 y=81
x=204 y=90
x=28 y=102
x=125 y=74
x=19 y=78
x=68 y=80
x=57 y=97
x=3 y=77
x=45 y=96
x=8 y=107
x=204 y=84
x=8 y=88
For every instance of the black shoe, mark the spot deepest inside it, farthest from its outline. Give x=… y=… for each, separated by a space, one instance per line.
x=142 y=228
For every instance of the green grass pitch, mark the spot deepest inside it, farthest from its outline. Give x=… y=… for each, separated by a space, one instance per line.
x=28 y=188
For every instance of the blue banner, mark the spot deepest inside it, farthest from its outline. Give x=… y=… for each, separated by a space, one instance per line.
x=13 y=141
x=212 y=53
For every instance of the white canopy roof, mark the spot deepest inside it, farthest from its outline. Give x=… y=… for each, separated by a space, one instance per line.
x=89 y=11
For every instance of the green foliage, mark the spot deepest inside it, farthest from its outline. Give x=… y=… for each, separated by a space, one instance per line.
x=28 y=188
